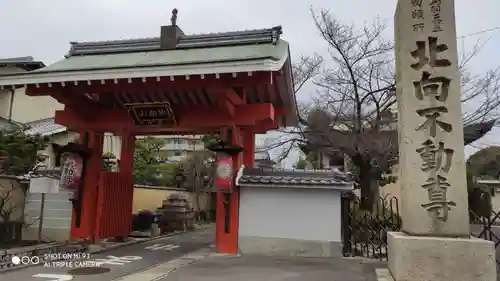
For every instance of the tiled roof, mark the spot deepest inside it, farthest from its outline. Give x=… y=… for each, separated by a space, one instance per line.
x=247 y=37
x=6 y=124
x=293 y=178
x=262 y=155
x=16 y=60
x=264 y=161
x=26 y=63
x=44 y=127
x=161 y=63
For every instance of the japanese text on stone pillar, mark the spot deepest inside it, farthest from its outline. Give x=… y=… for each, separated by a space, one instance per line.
x=436 y=157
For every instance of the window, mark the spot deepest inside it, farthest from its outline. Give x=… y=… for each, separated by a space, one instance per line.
x=178 y=141
x=177 y=153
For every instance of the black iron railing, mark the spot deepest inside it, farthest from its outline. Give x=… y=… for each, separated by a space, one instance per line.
x=487 y=228
x=364 y=233
x=11 y=232
x=206 y=216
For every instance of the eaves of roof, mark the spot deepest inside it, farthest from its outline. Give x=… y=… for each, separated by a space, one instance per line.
x=228 y=59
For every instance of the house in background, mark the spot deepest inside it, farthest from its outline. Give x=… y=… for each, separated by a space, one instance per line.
x=178 y=147
x=15 y=105
x=262 y=159
x=494 y=186
x=37 y=113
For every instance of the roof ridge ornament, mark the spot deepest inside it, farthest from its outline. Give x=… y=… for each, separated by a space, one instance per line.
x=173 y=19
x=275 y=34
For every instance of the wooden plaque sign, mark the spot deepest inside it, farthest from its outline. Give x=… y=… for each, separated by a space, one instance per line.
x=152 y=114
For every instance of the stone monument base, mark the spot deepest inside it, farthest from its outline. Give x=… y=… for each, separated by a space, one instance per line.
x=416 y=258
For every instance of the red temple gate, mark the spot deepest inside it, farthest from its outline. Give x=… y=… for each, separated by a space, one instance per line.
x=113 y=212
x=236 y=84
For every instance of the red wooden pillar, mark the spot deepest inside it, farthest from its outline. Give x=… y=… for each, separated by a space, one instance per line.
x=127 y=153
x=226 y=238
x=248 y=148
x=126 y=168
x=89 y=195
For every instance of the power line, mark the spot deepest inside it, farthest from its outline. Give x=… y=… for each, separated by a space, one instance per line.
x=480 y=32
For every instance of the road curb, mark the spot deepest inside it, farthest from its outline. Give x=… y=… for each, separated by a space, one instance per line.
x=97 y=251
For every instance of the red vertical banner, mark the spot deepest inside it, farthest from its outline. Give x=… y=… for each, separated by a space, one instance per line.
x=224 y=173
x=71 y=173
x=71 y=178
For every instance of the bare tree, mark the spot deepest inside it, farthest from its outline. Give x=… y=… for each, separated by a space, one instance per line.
x=198 y=172
x=7 y=202
x=304 y=70
x=352 y=111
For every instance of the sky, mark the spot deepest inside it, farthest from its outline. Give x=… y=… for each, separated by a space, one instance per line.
x=43 y=29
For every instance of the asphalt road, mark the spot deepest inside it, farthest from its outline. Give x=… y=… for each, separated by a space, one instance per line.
x=118 y=262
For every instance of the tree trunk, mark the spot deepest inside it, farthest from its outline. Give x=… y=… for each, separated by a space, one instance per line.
x=365 y=183
x=197 y=194
x=368 y=177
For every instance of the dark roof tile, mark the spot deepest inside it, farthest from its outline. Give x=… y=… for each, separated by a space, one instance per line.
x=293 y=177
x=247 y=37
x=26 y=63
x=6 y=124
x=44 y=127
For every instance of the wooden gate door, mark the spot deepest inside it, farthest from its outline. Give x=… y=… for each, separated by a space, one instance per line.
x=114 y=205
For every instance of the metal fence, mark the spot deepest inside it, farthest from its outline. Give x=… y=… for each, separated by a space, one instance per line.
x=206 y=216
x=10 y=232
x=364 y=233
x=487 y=228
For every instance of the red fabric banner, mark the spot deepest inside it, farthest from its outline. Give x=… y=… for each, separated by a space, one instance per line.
x=71 y=173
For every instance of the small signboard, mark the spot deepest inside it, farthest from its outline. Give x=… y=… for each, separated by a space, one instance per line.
x=44 y=185
x=152 y=114
x=71 y=173
x=224 y=174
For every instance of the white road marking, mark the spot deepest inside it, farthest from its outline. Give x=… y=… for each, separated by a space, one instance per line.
x=161 y=270
x=113 y=260
x=55 y=277
x=168 y=247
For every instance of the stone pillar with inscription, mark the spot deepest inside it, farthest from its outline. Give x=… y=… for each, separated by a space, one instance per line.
x=435 y=242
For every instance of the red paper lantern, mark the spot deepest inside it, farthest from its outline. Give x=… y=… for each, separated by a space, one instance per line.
x=224 y=173
x=71 y=173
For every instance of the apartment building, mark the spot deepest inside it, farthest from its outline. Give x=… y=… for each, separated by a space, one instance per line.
x=178 y=147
